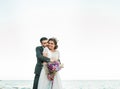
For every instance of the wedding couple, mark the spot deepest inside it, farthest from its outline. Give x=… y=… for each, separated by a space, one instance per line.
x=45 y=53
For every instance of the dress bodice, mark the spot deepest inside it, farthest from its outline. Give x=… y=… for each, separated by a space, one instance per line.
x=50 y=54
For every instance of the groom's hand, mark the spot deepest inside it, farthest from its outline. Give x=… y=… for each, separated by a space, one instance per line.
x=44 y=63
x=52 y=59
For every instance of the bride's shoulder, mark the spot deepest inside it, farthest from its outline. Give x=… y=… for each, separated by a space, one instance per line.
x=57 y=51
x=46 y=48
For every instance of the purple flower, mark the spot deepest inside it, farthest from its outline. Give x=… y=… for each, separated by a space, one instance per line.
x=53 y=67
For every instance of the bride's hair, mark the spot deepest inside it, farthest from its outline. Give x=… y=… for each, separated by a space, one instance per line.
x=55 y=42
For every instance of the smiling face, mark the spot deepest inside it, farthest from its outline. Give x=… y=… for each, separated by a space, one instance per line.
x=44 y=43
x=51 y=45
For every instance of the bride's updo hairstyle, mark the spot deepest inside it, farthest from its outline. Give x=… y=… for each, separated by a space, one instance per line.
x=55 y=42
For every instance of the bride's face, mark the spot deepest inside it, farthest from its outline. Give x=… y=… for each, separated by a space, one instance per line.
x=51 y=45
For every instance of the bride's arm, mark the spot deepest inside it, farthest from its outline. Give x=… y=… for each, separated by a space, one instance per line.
x=45 y=52
x=40 y=56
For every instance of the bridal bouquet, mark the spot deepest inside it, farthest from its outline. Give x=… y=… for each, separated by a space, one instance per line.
x=53 y=67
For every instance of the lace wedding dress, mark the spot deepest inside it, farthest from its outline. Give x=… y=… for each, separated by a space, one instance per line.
x=43 y=82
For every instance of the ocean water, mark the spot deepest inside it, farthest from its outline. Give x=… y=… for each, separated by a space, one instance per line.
x=67 y=84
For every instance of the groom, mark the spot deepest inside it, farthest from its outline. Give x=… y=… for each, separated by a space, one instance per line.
x=40 y=60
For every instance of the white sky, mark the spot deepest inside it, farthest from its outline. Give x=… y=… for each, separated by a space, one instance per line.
x=88 y=32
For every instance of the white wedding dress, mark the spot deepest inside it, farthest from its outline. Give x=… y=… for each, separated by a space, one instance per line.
x=43 y=82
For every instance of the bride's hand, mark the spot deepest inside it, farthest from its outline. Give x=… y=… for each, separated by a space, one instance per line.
x=62 y=65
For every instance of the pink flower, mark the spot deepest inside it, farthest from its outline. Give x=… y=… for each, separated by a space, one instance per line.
x=53 y=67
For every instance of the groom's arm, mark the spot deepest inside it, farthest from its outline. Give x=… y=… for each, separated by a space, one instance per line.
x=40 y=56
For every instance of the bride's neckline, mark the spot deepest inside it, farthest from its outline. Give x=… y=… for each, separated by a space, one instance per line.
x=52 y=51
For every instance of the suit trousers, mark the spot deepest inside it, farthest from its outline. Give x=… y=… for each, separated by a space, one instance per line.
x=35 y=84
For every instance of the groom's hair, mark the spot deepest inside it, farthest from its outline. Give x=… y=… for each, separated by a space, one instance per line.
x=43 y=38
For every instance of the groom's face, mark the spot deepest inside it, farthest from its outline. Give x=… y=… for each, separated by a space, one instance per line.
x=44 y=43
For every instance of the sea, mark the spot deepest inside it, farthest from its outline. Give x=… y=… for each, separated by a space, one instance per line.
x=67 y=84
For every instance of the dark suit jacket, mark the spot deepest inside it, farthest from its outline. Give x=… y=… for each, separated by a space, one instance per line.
x=40 y=59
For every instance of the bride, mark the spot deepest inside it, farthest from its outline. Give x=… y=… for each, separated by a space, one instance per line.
x=50 y=52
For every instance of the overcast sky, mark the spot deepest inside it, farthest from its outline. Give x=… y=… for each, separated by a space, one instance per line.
x=88 y=32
